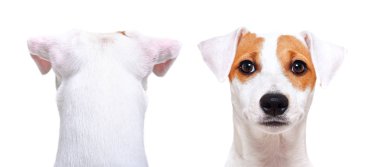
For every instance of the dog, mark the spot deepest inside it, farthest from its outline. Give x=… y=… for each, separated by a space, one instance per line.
x=101 y=98
x=272 y=79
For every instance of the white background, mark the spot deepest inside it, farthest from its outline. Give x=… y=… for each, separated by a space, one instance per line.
x=189 y=118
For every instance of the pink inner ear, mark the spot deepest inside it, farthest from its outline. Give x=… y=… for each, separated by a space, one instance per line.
x=43 y=65
x=161 y=69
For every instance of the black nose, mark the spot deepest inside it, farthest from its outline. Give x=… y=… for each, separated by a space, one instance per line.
x=274 y=104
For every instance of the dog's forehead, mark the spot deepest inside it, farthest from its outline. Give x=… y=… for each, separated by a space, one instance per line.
x=271 y=39
x=272 y=43
x=273 y=55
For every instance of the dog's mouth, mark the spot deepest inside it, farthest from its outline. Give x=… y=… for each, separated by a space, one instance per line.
x=275 y=122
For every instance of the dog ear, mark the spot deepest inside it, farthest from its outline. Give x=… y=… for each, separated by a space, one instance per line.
x=326 y=57
x=162 y=53
x=39 y=50
x=219 y=52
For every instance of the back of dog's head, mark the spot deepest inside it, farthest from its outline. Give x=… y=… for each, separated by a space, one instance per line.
x=102 y=71
x=78 y=52
x=272 y=76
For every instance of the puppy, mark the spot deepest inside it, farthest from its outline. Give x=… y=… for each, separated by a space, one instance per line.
x=272 y=79
x=101 y=84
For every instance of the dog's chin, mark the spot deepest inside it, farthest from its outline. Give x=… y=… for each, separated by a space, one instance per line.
x=274 y=125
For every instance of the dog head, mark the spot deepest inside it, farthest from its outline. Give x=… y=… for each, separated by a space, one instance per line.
x=272 y=76
x=80 y=52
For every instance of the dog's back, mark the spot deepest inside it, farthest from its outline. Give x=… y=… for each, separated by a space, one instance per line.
x=101 y=93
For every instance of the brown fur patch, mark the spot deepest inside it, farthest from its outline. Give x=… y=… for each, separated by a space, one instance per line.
x=249 y=48
x=290 y=49
x=122 y=33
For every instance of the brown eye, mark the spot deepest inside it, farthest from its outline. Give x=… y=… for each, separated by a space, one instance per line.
x=247 y=67
x=298 y=67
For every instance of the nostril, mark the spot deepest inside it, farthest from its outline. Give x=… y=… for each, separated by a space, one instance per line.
x=282 y=103
x=274 y=104
x=266 y=105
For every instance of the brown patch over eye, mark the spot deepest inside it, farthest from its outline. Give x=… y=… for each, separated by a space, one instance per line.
x=296 y=62
x=247 y=57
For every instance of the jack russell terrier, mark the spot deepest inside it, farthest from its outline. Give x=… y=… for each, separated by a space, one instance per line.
x=101 y=98
x=272 y=79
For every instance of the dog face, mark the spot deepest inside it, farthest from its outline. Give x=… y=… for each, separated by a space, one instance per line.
x=78 y=52
x=272 y=76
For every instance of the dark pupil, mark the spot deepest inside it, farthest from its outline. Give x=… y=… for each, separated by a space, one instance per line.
x=247 y=66
x=298 y=67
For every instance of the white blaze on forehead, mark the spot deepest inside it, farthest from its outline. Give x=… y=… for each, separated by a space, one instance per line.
x=269 y=59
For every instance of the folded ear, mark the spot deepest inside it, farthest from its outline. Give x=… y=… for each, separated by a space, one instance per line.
x=39 y=50
x=219 y=52
x=163 y=53
x=326 y=57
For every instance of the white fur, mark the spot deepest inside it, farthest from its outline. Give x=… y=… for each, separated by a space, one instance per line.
x=327 y=57
x=216 y=53
x=101 y=94
x=257 y=145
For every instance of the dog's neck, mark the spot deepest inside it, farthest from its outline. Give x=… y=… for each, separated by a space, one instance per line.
x=254 y=148
x=101 y=122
